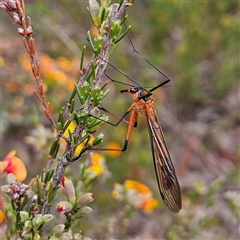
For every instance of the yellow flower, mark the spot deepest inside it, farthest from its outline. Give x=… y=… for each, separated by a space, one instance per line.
x=136 y=194
x=141 y=188
x=150 y=205
x=79 y=148
x=115 y=194
x=70 y=128
x=97 y=164
x=14 y=165
x=118 y=191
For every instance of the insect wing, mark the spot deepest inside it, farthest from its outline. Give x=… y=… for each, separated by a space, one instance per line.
x=166 y=177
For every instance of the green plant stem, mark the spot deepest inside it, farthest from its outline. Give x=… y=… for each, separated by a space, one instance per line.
x=63 y=161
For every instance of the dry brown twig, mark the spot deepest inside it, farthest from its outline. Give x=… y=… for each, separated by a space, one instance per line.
x=16 y=9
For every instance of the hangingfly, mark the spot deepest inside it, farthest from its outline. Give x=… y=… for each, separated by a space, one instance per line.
x=165 y=173
x=143 y=104
x=166 y=177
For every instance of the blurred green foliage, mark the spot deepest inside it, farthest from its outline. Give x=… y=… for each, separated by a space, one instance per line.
x=197 y=45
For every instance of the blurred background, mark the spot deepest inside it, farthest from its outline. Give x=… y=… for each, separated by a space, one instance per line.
x=197 y=45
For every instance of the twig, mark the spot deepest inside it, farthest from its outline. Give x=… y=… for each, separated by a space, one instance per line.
x=63 y=161
x=16 y=9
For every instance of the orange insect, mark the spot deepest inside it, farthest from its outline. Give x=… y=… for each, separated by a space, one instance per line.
x=143 y=104
x=165 y=173
x=166 y=177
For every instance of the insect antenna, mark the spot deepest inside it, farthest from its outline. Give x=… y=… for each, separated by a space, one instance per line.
x=113 y=80
x=123 y=73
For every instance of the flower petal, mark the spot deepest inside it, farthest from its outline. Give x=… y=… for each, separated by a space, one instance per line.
x=141 y=188
x=14 y=165
x=2 y=216
x=149 y=205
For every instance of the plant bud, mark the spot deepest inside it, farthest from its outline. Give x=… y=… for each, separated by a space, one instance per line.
x=20 y=30
x=94 y=10
x=37 y=221
x=36 y=237
x=27 y=235
x=5 y=189
x=86 y=238
x=69 y=189
x=47 y=218
x=85 y=210
x=27 y=226
x=85 y=199
x=24 y=216
x=58 y=229
x=12 y=5
x=78 y=236
x=53 y=238
x=98 y=139
x=66 y=236
x=64 y=206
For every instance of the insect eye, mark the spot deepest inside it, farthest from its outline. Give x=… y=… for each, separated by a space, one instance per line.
x=141 y=94
x=144 y=94
x=134 y=90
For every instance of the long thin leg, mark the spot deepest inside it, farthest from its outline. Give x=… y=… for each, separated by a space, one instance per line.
x=131 y=123
x=136 y=51
x=120 y=118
